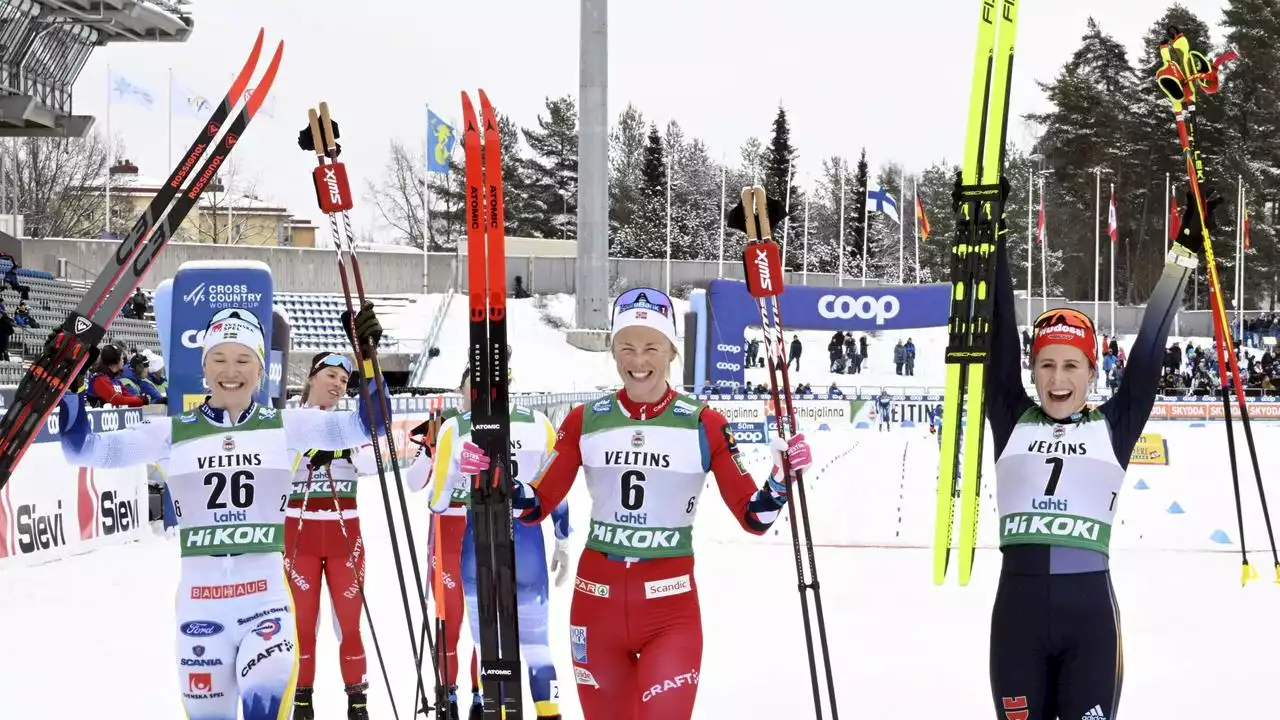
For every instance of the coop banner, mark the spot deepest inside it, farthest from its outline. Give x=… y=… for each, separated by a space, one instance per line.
x=733 y=310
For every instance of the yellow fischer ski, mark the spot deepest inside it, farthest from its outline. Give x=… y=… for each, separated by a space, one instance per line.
x=979 y=213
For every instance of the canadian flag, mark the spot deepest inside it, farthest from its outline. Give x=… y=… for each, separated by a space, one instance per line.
x=1112 y=228
x=1175 y=217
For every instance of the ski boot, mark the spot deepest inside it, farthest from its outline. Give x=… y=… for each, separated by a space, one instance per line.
x=302 y=708
x=477 y=708
x=357 y=706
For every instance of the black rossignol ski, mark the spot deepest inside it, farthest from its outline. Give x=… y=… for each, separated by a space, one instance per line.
x=491 y=416
x=762 y=265
x=64 y=355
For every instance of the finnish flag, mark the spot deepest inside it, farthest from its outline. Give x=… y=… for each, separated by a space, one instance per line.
x=879 y=200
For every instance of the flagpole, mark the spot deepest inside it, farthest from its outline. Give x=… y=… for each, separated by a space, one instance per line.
x=1168 y=192
x=1097 y=239
x=804 y=258
x=110 y=152
x=1240 y=258
x=915 y=196
x=902 y=193
x=866 y=228
x=1114 y=242
x=1031 y=197
x=170 y=116
x=724 y=175
x=426 y=204
x=786 y=218
x=1044 y=254
x=671 y=167
x=840 y=260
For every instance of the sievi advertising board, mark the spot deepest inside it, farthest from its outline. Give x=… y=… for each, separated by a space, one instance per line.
x=50 y=510
x=733 y=310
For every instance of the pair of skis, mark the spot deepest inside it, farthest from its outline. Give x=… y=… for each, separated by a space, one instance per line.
x=762 y=262
x=67 y=352
x=979 y=219
x=491 y=519
x=1180 y=81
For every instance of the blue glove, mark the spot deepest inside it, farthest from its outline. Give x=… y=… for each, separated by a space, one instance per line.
x=73 y=422
x=523 y=498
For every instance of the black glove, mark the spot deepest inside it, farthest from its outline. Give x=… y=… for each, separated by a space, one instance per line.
x=307 y=142
x=368 y=329
x=736 y=218
x=319 y=458
x=1189 y=233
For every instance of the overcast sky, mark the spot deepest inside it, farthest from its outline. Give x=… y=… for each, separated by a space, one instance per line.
x=891 y=76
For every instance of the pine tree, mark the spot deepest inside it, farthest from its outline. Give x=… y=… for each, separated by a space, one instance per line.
x=779 y=164
x=1092 y=125
x=855 y=211
x=626 y=165
x=552 y=170
x=521 y=209
x=640 y=237
x=1250 y=101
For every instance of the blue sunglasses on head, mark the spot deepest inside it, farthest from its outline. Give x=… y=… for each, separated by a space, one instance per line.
x=334 y=360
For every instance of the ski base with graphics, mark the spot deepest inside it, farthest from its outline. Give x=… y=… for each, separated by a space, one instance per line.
x=979 y=206
x=490 y=415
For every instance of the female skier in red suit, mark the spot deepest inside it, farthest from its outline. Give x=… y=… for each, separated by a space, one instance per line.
x=636 y=627
x=322 y=538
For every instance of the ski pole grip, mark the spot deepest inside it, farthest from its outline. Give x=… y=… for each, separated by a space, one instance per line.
x=762 y=263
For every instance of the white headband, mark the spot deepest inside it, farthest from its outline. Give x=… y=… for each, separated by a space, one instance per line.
x=235 y=330
x=640 y=317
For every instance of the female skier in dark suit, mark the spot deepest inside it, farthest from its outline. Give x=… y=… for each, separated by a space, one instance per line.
x=1055 y=627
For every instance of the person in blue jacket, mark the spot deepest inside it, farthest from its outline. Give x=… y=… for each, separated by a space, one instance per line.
x=884 y=410
x=137 y=379
x=935 y=422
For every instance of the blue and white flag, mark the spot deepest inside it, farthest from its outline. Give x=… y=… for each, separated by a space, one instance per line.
x=440 y=140
x=186 y=101
x=124 y=90
x=879 y=200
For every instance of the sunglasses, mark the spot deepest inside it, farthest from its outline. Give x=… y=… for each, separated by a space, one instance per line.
x=645 y=299
x=334 y=360
x=1063 y=316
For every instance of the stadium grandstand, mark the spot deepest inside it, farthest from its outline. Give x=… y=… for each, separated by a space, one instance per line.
x=313 y=319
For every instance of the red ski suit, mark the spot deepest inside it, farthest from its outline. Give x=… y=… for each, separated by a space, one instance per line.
x=322 y=539
x=444 y=543
x=636 y=626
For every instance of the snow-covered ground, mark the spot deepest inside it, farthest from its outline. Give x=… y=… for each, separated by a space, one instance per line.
x=103 y=623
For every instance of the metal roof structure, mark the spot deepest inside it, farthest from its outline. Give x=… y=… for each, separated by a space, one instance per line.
x=44 y=44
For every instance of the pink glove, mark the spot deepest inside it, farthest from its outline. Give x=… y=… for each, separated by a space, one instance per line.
x=473 y=459
x=797 y=451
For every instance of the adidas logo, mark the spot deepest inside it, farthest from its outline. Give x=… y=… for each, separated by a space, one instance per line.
x=1094 y=714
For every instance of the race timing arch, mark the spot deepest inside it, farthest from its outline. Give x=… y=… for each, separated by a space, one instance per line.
x=725 y=310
